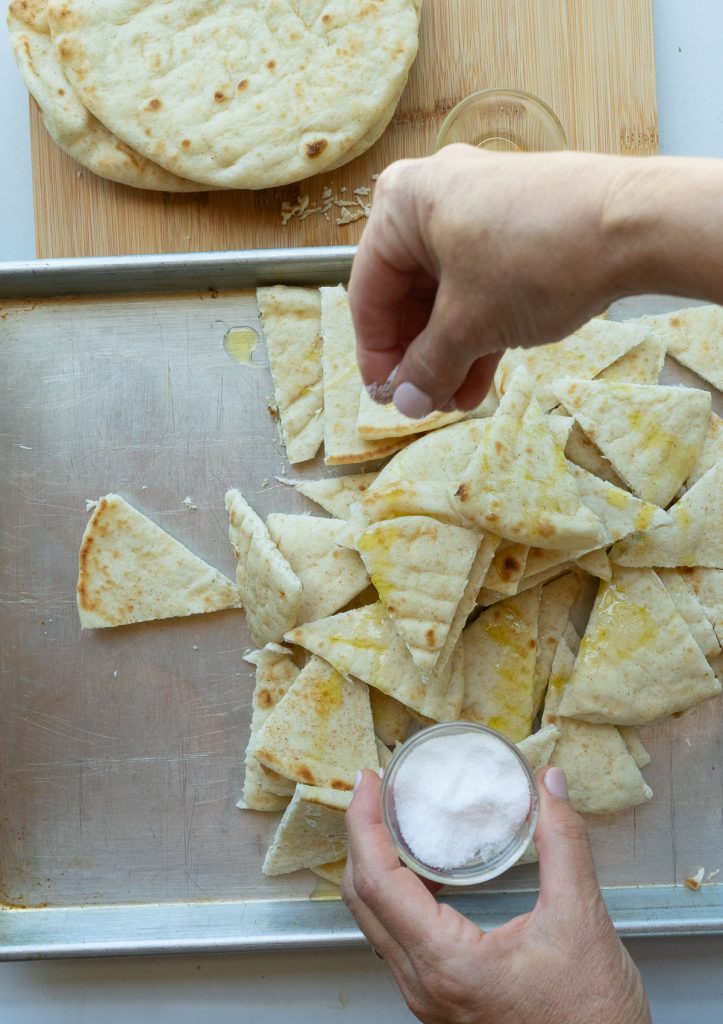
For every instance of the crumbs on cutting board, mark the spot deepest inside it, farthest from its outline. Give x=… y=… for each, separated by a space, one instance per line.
x=189 y=503
x=348 y=206
x=90 y=504
x=695 y=881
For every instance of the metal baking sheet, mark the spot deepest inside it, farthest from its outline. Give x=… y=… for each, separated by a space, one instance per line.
x=122 y=749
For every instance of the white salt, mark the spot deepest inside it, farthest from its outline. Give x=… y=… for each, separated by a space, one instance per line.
x=460 y=799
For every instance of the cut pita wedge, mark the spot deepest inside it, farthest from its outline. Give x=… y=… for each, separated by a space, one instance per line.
x=639 y=365
x=582 y=355
x=556 y=604
x=391 y=719
x=635 y=746
x=518 y=483
x=420 y=569
x=291 y=319
x=364 y=643
x=330 y=575
x=638 y=660
x=537 y=750
x=377 y=421
x=333 y=871
x=343 y=386
x=710 y=453
x=270 y=589
x=692 y=536
x=433 y=498
x=321 y=731
x=499 y=651
x=133 y=571
x=652 y=435
x=581 y=450
x=507 y=569
x=692 y=611
x=312 y=831
x=275 y=672
x=336 y=494
x=707 y=585
x=694 y=337
x=440 y=455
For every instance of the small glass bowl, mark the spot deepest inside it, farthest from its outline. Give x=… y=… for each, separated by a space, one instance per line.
x=476 y=872
x=505 y=121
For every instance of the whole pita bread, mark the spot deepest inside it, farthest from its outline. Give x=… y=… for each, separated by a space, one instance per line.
x=270 y=589
x=250 y=98
x=638 y=661
x=275 y=672
x=321 y=731
x=343 y=387
x=692 y=536
x=420 y=569
x=694 y=337
x=499 y=652
x=330 y=575
x=518 y=483
x=652 y=435
x=68 y=122
x=582 y=355
x=312 y=831
x=133 y=571
x=291 y=319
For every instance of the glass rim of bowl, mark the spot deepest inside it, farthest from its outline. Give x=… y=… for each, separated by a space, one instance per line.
x=520 y=94
x=477 y=872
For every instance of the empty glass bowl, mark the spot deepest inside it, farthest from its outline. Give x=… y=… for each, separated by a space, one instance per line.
x=474 y=872
x=503 y=120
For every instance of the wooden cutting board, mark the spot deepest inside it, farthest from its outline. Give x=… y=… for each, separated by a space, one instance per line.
x=592 y=60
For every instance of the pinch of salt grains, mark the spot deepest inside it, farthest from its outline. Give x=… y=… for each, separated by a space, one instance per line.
x=460 y=799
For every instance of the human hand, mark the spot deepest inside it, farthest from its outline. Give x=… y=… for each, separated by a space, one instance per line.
x=560 y=964
x=468 y=253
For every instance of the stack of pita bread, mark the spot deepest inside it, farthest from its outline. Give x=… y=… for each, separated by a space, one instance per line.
x=552 y=569
x=217 y=94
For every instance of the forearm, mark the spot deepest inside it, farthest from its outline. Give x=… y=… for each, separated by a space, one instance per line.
x=663 y=226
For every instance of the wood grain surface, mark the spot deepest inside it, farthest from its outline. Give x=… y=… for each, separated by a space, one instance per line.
x=591 y=60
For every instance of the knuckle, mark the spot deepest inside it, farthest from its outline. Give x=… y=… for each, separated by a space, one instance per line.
x=572 y=829
x=366 y=886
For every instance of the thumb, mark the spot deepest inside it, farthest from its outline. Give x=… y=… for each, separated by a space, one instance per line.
x=568 y=880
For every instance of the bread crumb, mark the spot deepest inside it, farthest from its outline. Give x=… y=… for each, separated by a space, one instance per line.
x=694 y=882
x=188 y=502
x=115 y=673
x=712 y=874
x=90 y=503
x=195 y=647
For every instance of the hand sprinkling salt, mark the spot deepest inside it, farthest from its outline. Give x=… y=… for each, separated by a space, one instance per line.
x=460 y=799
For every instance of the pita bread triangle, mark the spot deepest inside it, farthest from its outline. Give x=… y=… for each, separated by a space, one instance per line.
x=710 y=453
x=321 y=732
x=312 y=831
x=336 y=494
x=582 y=355
x=652 y=435
x=581 y=450
x=441 y=455
x=707 y=585
x=537 y=750
x=420 y=569
x=639 y=365
x=638 y=661
x=433 y=498
x=133 y=571
x=692 y=611
x=343 y=387
x=270 y=590
x=518 y=483
x=379 y=421
x=556 y=604
x=363 y=643
x=507 y=568
x=694 y=337
x=499 y=651
x=291 y=319
x=330 y=575
x=391 y=719
x=275 y=672
x=635 y=745
x=692 y=536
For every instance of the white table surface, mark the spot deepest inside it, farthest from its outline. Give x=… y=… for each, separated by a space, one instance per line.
x=684 y=976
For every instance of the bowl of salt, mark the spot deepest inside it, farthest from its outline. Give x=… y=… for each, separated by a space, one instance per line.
x=460 y=802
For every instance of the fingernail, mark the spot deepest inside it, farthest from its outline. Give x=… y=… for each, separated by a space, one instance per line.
x=412 y=402
x=357 y=780
x=380 y=773
x=556 y=783
x=382 y=393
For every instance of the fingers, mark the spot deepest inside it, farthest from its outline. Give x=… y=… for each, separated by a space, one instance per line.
x=568 y=880
x=478 y=382
x=388 y=893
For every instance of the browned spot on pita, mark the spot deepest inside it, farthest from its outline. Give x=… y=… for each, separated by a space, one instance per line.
x=499 y=447
x=219 y=96
x=462 y=492
x=271 y=64
x=243 y=84
x=185 y=143
x=533 y=643
x=431 y=637
x=265 y=699
x=510 y=567
x=492 y=517
x=304 y=774
x=674 y=321
x=340 y=784
x=547 y=529
x=61 y=92
x=314 y=149
x=154 y=105
x=327 y=19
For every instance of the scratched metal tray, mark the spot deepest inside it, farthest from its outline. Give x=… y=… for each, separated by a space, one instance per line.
x=121 y=750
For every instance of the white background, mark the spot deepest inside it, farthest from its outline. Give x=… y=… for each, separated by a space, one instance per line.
x=684 y=977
